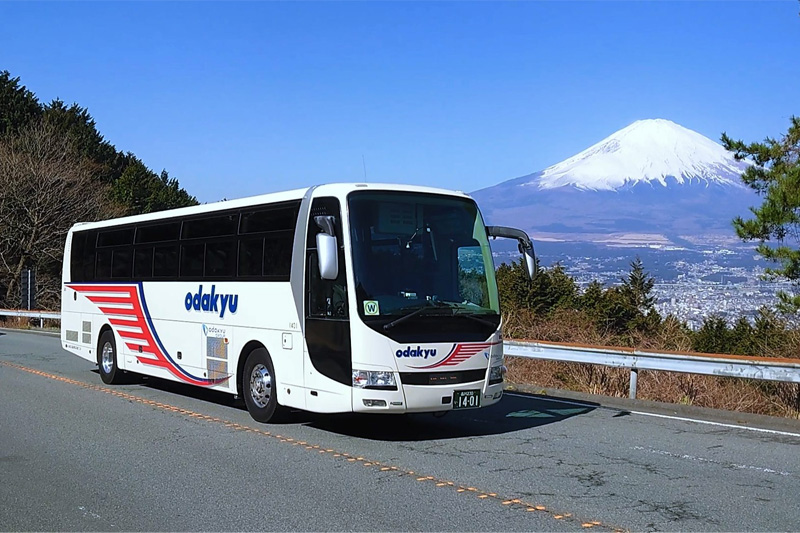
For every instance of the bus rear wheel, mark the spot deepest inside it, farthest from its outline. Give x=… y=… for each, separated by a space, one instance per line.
x=110 y=372
x=259 y=387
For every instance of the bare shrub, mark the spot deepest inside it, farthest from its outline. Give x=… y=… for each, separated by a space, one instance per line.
x=45 y=187
x=569 y=326
x=15 y=322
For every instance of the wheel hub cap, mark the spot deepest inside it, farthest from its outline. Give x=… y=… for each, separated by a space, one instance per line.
x=107 y=358
x=260 y=385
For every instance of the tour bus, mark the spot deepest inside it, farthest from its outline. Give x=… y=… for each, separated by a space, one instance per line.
x=338 y=298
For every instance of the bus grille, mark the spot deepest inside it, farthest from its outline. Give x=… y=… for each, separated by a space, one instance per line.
x=216 y=357
x=442 y=378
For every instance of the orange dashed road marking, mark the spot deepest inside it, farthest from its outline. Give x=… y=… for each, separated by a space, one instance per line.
x=509 y=503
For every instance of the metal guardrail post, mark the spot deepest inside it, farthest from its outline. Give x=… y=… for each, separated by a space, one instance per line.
x=41 y=315
x=786 y=370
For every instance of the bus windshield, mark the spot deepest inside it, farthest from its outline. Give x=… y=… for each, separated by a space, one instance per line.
x=420 y=255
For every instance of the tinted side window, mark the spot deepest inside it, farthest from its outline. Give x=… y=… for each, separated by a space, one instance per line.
x=165 y=261
x=251 y=255
x=325 y=298
x=117 y=237
x=192 y=257
x=82 y=256
x=121 y=263
x=278 y=218
x=220 y=259
x=214 y=226
x=278 y=256
x=143 y=263
x=103 y=266
x=158 y=233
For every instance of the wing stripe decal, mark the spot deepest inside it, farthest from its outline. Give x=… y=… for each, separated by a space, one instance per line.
x=133 y=314
x=460 y=353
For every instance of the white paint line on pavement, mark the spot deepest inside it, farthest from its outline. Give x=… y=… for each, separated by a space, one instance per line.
x=671 y=417
x=712 y=461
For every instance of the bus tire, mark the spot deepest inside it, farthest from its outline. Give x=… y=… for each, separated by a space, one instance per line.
x=258 y=387
x=110 y=372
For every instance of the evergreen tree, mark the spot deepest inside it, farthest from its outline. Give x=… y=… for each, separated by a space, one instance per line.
x=140 y=190
x=770 y=334
x=637 y=287
x=775 y=175
x=742 y=341
x=18 y=106
x=551 y=289
x=713 y=336
x=78 y=125
x=593 y=300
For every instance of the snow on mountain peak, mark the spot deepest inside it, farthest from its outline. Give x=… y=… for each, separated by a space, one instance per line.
x=645 y=151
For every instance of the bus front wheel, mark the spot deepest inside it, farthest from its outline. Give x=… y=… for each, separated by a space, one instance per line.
x=259 y=387
x=110 y=373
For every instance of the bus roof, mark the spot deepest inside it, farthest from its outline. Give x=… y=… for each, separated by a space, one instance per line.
x=331 y=189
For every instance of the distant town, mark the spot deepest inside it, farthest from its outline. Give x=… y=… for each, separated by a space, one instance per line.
x=691 y=284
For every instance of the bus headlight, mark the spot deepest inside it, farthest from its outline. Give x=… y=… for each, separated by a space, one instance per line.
x=496 y=374
x=375 y=380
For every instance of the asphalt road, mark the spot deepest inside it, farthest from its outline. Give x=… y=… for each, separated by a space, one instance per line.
x=76 y=454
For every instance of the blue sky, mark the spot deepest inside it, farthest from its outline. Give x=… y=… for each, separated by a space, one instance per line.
x=236 y=99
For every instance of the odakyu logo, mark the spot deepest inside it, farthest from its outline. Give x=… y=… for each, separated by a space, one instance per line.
x=419 y=351
x=211 y=302
x=213 y=331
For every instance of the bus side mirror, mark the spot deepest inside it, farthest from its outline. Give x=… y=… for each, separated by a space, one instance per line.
x=525 y=245
x=327 y=248
x=530 y=260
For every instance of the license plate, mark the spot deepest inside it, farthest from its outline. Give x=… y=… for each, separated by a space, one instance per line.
x=466 y=399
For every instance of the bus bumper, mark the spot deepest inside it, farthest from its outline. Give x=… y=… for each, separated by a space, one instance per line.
x=425 y=398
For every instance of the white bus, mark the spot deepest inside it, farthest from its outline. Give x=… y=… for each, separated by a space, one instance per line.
x=336 y=298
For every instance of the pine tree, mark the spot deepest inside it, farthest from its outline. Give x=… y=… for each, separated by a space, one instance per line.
x=18 y=106
x=713 y=337
x=775 y=175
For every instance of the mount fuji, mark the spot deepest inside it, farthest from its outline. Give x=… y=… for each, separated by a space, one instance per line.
x=653 y=182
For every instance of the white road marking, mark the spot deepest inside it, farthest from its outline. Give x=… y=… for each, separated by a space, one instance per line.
x=720 y=424
x=671 y=417
x=712 y=461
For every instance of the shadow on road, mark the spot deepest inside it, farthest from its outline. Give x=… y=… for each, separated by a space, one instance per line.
x=512 y=413
x=190 y=391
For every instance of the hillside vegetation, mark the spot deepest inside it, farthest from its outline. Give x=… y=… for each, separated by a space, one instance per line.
x=56 y=169
x=552 y=308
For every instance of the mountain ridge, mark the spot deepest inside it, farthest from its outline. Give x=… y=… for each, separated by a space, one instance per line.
x=653 y=177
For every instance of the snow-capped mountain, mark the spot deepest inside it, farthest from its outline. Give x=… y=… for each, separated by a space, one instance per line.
x=653 y=178
x=646 y=151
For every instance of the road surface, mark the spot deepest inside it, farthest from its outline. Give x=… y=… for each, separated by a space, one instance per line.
x=76 y=454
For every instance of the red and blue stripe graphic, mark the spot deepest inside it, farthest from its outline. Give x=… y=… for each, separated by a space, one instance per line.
x=126 y=310
x=460 y=353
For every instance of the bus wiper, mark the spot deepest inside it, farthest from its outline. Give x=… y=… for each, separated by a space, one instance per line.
x=477 y=319
x=415 y=312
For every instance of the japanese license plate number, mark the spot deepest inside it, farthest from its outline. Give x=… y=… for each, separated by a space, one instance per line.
x=466 y=399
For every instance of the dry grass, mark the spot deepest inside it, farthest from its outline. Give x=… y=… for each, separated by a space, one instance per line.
x=731 y=394
x=760 y=397
x=16 y=322
x=21 y=322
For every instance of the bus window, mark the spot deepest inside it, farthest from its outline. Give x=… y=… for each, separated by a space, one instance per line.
x=220 y=259
x=192 y=257
x=143 y=263
x=165 y=261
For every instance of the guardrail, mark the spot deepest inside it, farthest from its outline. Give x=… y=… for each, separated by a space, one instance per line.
x=41 y=315
x=737 y=366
